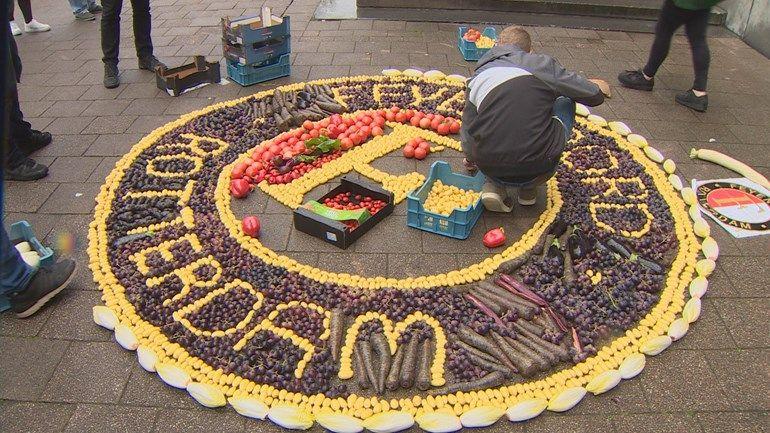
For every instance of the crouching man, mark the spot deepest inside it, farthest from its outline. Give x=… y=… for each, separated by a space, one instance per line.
x=518 y=116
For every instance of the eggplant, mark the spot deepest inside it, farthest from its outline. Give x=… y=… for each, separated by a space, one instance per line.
x=558 y=228
x=555 y=252
x=618 y=248
x=647 y=263
x=577 y=245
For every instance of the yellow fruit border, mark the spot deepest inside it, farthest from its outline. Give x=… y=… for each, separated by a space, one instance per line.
x=623 y=358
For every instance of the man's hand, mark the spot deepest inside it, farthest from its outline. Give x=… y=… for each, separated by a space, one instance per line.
x=603 y=86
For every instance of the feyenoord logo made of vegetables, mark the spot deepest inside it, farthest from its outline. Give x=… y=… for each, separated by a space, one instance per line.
x=736 y=205
x=574 y=305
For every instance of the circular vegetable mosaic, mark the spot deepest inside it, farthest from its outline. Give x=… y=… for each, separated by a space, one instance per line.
x=573 y=305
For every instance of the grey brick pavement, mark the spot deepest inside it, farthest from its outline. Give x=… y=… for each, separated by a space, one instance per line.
x=58 y=372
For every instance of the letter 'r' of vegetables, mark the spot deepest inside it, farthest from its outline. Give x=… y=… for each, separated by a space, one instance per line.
x=251 y=226
x=240 y=188
x=494 y=238
x=731 y=163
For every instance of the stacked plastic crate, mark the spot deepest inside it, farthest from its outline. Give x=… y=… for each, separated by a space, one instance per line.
x=256 y=47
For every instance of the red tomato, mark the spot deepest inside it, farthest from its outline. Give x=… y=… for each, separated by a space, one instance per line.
x=390 y=116
x=248 y=161
x=357 y=139
x=439 y=117
x=298 y=132
x=252 y=171
x=415 y=121
x=424 y=145
x=454 y=127
x=349 y=121
x=308 y=124
x=359 y=123
x=409 y=113
x=342 y=136
x=420 y=153
x=443 y=129
x=414 y=141
x=380 y=121
x=240 y=167
x=367 y=120
x=409 y=151
x=287 y=154
x=336 y=119
x=292 y=140
x=400 y=117
x=424 y=123
x=258 y=165
x=366 y=130
x=430 y=116
x=314 y=133
x=377 y=131
x=394 y=109
x=434 y=124
x=267 y=156
x=305 y=137
x=324 y=132
x=346 y=143
x=324 y=123
x=274 y=148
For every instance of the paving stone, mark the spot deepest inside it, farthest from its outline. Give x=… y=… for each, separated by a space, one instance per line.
x=106 y=107
x=34 y=417
x=744 y=318
x=66 y=108
x=736 y=422
x=71 y=198
x=105 y=167
x=22 y=379
x=109 y=124
x=90 y=372
x=416 y=265
x=113 y=144
x=67 y=145
x=72 y=318
x=743 y=376
x=200 y=420
x=71 y=169
x=26 y=196
x=68 y=125
x=651 y=423
x=709 y=332
x=12 y=326
x=112 y=418
x=147 y=389
x=275 y=231
x=746 y=275
x=550 y=422
x=626 y=398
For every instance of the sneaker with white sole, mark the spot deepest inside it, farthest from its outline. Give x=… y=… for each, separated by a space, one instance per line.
x=35 y=26
x=47 y=283
x=495 y=198
x=15 y=29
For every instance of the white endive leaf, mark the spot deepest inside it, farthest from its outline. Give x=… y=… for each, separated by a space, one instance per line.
x=105 y=317
x=172 y=375
x=205 y=394
x=691 y=310
x=632 y=365
x=391 y=72
x=249 y=406
x=31 y=258
x=689 y=197
x=654 y=154
x=433 y=73
x=637 y=140
x=566 y=399
x=710 y=248
x=456 y=77
x=620 y=128
x=126 y=337
x=678 y=328
x=597 y=120
x=604 y=382
x=581 y=110
x=147 y=358
x=698 y=287
x=526 y=409
x=669 y=166
x=290 y=417
x=705 y=267
x=439 y=422
x=701 y=227
x=655 y=345
x=389 y=422
x=675 y=181
x=694 y=212
x=339 y=422
x=481 y=416
x=411 y=72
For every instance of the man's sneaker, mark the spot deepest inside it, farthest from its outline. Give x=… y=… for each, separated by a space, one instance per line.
x=36 y=27
x=95 y=8
x=149 y=63
x=15 y=28
x=635 y=80
x=36 y=141
x=495 y=197
x=29 y=169
x=697 y=103
x=527 y=196
x=111 y=79
x=85 y=16
x=47 y=283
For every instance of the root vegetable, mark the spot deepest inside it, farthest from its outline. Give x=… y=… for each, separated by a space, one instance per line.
x=529 y=308
x=392 y=382
x=521 y=289
x=484 y=308
x=489 y=366
x=423 y=371
x=471 y=337
x=540 y=361
x=569 y=273
x=336 y=332
x=490 y=380
x=408 y=365
x=558 y=351
x=365 y=349
x=381 y=347
x=730 y=163
x=360 y=370
x=530 y=327
x=513 y=265
x=488 y=301
x=524 y=365
x=476 y=352
x=506 y=303
x=547 y=244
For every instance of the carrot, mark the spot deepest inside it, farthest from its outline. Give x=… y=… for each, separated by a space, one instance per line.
x=476 y=352
x=558 y=351
x=576 y=341
x=365 y=348
x=381 y=347
x=360 y=370
x=489 y=302
x=484 y=308
x=531 y=327
x=490 y=380
x=489 y=365
x=423 y=371
x=569 y=273
x=533 y=345
x=524 y=290
x=336 y=332
x=513 y=265
x=558 y=320
x=524 y=365
x=469 y=336
x=547 y=241
x=392 y=381
x=408 y=365
x=540 y=362
x=507 y=302
x=507 y=294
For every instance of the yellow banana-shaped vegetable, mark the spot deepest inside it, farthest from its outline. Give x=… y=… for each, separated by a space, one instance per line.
x=597 y=120
x=669 y=166
x=434 y=74
x=637 y=140
x=701 y=227
x=389 y=422
x=678 y=328
x=675 y=181
x=147 y=358
x=339 y=422
x=710 y=248
x=698 y=287
x=691 y=310
x=126 y=337
x=105 y=317
x=581 y=110
x=705 y=267
x=619 y=127
x=412 y=72
x=391 y=72
x=439 y=422
x=290 y=417
x=654 y=154
x=172 y=375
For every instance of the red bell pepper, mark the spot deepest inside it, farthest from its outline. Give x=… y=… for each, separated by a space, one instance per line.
x=251 y=226
x=240 y=188
x=494 y=238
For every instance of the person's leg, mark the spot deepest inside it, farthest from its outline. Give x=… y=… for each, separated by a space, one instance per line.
x=78 y=6
x=15 y=274
x=697 y=28
x=111 y=30
x=26 y=9
x=528 y=193
x=142 y=28
x=669 y=20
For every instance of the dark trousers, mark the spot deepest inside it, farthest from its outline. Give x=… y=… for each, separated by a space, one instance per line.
x=20 y=130
x=695 y=24
x=111 y=29
x=26 y=9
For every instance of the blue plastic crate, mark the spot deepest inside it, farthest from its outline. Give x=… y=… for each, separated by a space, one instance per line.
x=468 y=49
x=23 y=231
x=246 y=75
x=461 y=221
x=248 y=29
x=252 y=54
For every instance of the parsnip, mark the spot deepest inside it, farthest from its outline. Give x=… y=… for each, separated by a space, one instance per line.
x=731 y=163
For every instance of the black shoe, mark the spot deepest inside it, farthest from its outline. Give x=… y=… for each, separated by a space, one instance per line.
x=111 y=79
x=149 y=63
x=29 y=169
x=697 y=103
x=47 y=283
x=36 y=141
x=95 y=8
x=635 y=80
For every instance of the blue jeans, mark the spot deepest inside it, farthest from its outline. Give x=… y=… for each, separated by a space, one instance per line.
x=79 y=6
x=14 y=273
x=564 y=112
